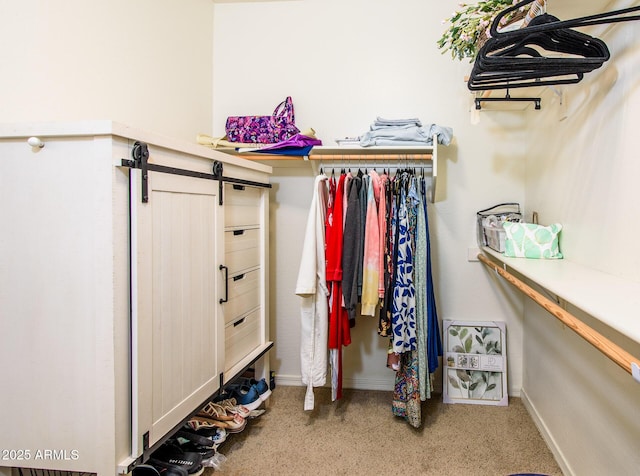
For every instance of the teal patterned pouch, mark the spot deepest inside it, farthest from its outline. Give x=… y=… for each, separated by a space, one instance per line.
x=528 y=240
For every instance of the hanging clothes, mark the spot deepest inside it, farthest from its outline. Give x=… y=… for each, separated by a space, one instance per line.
x=406 y=393
x=311 y=287
x=371 y=256
x=416 y=367
x=421 y=303
x=362 y=199
x=371 y=232
x=339 y=333
x=388 y=263
x=382 y=225
x=406 y=398
x=434 y=342
x=351 y=253
x=403 y=318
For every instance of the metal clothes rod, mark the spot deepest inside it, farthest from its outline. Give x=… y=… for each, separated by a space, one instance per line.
x=620 y=356
x=508 y=98
x=365 y=157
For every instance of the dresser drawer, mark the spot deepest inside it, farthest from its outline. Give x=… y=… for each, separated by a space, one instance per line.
x=241 y=337
x=242 y=205
x=242 y=249
x=244 y=295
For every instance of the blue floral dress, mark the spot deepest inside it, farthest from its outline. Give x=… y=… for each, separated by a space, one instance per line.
x=403 y=309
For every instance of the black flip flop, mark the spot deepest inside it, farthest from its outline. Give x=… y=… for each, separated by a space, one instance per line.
x=172 y=454
x=195 y=438
x=161 y=468
x=145 y=470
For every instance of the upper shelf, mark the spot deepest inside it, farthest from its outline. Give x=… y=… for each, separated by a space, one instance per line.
x=402 y=154
x=350 y=152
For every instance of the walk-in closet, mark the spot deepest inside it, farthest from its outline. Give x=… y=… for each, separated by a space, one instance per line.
x=180 y=295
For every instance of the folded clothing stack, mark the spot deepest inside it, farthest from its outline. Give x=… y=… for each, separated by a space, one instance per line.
x=404 y=132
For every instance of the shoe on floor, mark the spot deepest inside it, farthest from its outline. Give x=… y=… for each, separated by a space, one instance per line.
x=263 y=389
x=191 y=441
x=216 y=434
x=170 y=453
x=231 y=406
x=164 y=469
x=247 y=396
x=231 y=426
x=146 y=470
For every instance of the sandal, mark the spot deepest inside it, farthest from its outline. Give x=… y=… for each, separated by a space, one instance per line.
x=216 y=412
x=231 y=405
x=232 y=426
x=213 y=411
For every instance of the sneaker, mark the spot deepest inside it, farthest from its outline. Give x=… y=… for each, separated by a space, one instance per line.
x=261 y=386
x=247 y=396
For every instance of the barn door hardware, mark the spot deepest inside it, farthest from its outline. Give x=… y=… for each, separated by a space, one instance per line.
x=140 y=160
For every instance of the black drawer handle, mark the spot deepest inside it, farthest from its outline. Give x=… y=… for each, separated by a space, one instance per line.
x=226 y=283
x=239 y=277
x=238 y=187
x=238 y=322
x=238 y=232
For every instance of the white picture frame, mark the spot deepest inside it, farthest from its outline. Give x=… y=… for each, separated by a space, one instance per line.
x=475 y=362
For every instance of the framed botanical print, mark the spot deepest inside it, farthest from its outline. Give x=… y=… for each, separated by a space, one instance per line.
x=475 y=363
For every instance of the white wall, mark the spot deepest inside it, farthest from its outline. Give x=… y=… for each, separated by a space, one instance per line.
x=584 y=174
x=146 y=63
x=344 y=63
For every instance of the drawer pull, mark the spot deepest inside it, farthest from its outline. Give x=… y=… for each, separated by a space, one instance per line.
x=238 y=232
x=238 y=187
x=239 y=277
x=226 y=283
x=238 y=322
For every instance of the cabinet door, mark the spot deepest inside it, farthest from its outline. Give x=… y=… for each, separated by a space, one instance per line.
x=176 y=349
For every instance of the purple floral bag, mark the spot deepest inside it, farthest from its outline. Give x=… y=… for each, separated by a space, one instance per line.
x=272 y=129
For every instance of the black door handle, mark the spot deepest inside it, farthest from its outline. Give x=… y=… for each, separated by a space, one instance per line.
x=226 y=283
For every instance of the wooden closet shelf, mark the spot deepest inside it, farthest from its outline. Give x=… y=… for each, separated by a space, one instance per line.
x=399 y=154
x=592 y=291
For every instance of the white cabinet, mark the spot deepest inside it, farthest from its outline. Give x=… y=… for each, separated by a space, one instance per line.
x=111 y=326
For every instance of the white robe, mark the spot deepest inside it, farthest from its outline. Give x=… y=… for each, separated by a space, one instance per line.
x=312 y=288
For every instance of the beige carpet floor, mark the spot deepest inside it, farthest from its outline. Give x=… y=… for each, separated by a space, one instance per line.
x=358 y=435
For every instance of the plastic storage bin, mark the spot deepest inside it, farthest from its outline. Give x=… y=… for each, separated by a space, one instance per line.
x=489 y=224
